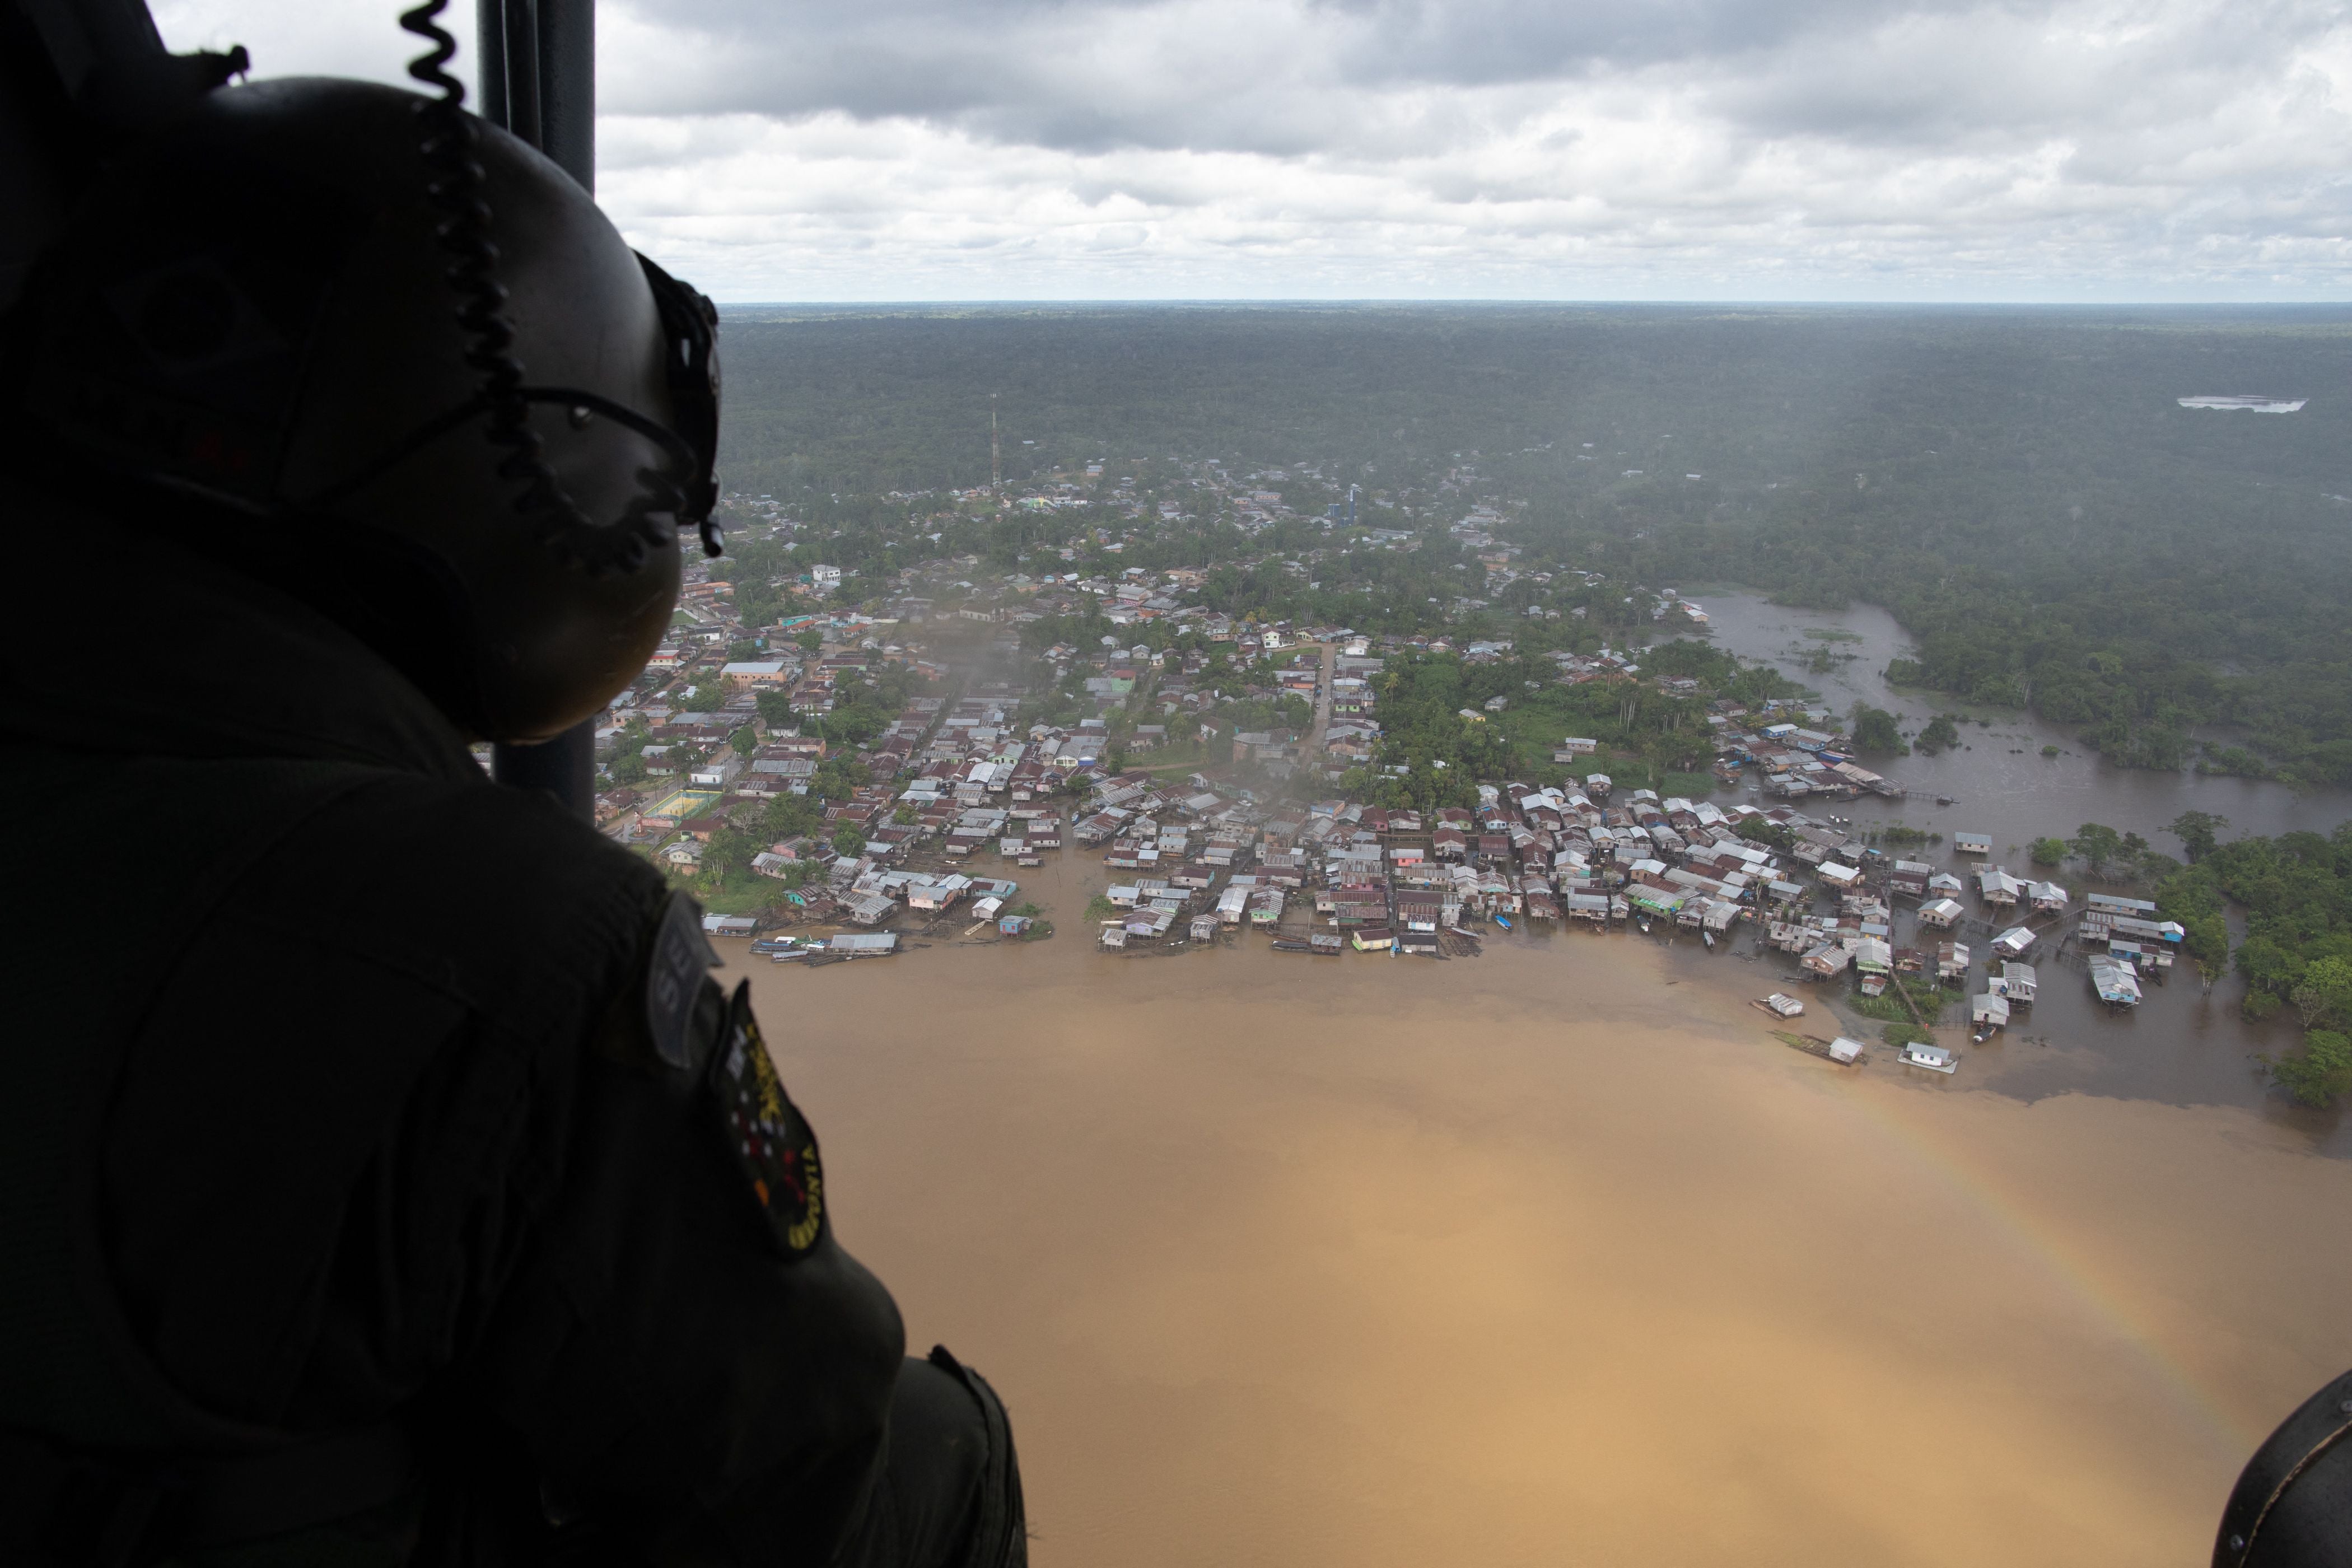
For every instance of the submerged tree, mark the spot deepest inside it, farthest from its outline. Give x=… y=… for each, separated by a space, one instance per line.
x=2324 y=995
x=2097 y=844
x=1874 y=733
x=2323 y=1073
x=2199 y=832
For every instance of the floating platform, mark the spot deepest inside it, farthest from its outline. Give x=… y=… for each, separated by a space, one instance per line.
x=1935 y=1058
x=1842 y=1051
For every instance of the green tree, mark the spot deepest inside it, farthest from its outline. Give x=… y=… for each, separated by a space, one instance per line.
x=1939 y=733
x=848 y=840
x=837 y=777
x=729 y=849
x=2199 y=832
x=2048 y=852
x=2323 y=1073
x=777 y=710
x=790 y=817
x=744 y=741
x=2270 y=972
x=1874 y=733
x=2324 y=995
x=2096 y=844
x=809 y=639
x=629 y=768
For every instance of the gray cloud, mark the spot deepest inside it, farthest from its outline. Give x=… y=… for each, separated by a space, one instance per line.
x=1690 y=148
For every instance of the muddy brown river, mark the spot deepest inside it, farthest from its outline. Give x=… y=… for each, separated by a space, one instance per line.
x=1555 y=1256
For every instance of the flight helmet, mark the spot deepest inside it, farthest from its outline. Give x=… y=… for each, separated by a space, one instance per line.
x=390 y=358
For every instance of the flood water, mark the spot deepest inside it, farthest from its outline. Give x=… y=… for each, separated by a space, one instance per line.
x=2182 y=1045
x=1555 y=1256
x=1999 y=780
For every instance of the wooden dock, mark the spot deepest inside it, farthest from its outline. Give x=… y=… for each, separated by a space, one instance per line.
x=1811 y=1045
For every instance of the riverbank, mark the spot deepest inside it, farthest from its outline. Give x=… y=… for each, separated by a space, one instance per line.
x=1557 y=1254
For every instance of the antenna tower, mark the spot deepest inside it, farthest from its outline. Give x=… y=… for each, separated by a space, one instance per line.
x=995 y=452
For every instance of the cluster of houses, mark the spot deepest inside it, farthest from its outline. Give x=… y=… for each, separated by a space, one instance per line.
x=1381 y=879
x=1793 y=763
x=1191 y=864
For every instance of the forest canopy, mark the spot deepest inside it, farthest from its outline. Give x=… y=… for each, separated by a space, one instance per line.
x=2020 y=487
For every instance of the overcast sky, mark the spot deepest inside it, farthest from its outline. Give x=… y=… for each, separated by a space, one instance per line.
x=1448 y=149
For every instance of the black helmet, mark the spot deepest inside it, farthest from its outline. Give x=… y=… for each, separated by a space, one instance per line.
x=393 y=360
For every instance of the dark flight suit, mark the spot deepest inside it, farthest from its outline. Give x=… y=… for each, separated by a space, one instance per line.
x=372 y=1174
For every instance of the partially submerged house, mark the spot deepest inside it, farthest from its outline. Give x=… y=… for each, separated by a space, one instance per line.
x=2114 y=981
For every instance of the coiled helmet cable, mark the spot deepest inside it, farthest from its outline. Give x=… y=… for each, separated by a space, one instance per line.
x=456 y=187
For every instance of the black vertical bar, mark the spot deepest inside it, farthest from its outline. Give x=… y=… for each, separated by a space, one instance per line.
x=549 y=55
x=491 y=53
x=523 y=70
x=567 y=87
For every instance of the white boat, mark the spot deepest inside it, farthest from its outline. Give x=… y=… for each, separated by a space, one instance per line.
x=1785 y=1006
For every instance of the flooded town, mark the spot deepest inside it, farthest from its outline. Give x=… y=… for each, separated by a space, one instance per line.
x=1082 y=912
x=1892 y=919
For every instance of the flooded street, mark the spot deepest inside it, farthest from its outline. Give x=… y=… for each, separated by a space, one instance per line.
x=1555 y=1256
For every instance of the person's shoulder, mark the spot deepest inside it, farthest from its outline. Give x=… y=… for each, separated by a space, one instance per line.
x=499 y=889
x=492 y=829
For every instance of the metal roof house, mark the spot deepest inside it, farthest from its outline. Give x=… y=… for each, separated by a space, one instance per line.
x=1991 y=1009
x=2014 y=943
x=2108 y=903
x=1910 y=876
x=2115 y=982
x=1828 y=959
x=1998 y=887
x=1940 y=912
x=1972 y=843
x=864 y=944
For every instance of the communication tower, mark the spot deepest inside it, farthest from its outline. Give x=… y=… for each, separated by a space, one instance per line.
x=995 y=452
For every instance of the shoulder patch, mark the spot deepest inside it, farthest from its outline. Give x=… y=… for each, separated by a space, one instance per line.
x=766 y=1132
x=673 y=969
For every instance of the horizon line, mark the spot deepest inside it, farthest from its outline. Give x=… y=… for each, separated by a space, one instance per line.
x=1419 y=301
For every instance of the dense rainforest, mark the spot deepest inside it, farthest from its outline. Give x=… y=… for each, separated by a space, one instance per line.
x=2020 y=487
